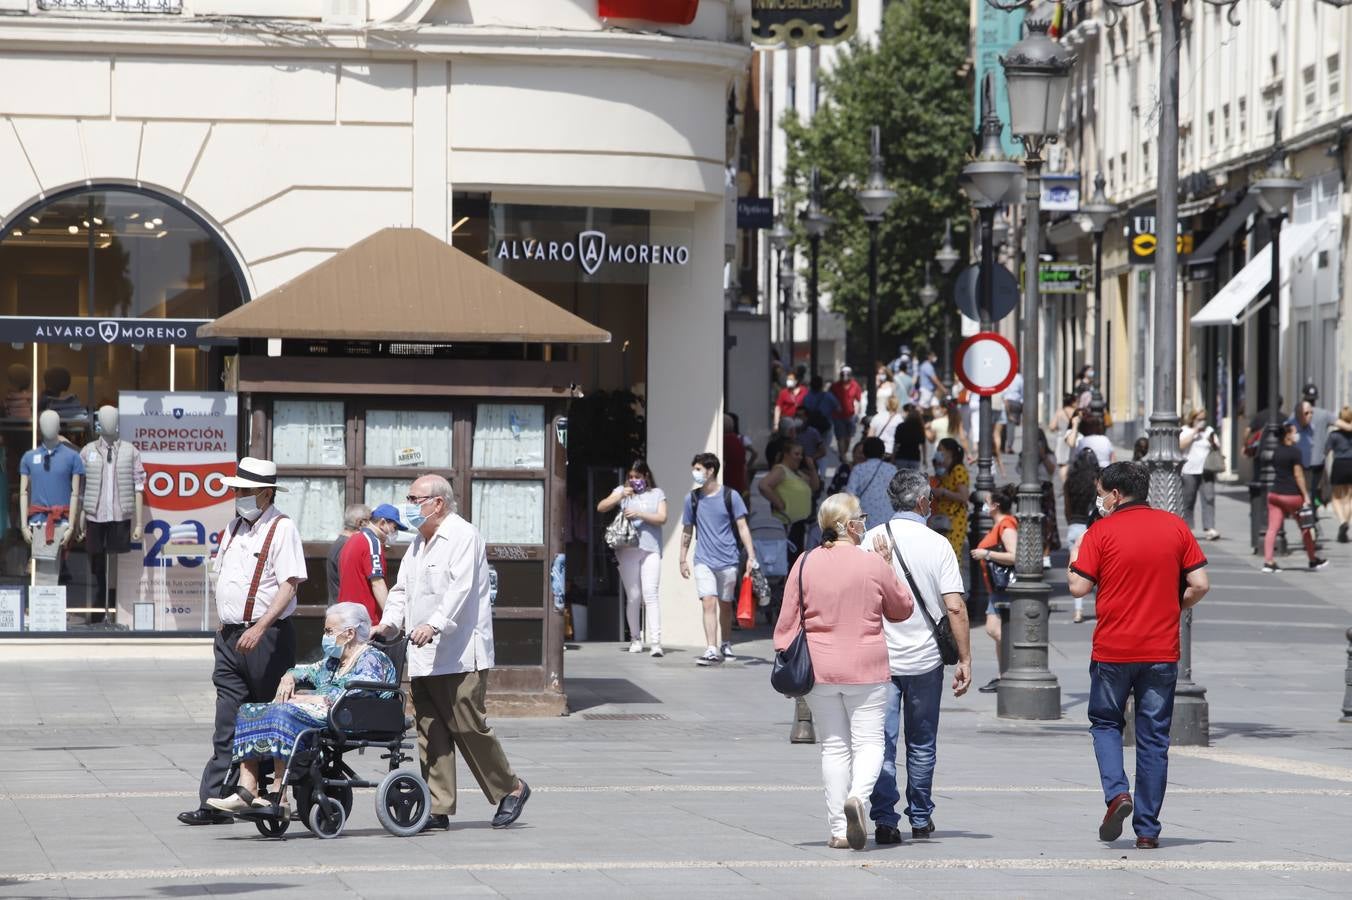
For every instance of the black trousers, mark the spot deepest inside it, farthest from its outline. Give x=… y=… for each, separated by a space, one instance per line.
x=243 y=678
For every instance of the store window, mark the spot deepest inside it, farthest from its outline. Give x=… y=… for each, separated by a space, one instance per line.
x=101 y=293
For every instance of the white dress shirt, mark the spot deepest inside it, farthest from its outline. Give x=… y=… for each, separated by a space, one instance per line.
x=911 y=649
x=233 y=567
x=444 y=583
x=109 y=506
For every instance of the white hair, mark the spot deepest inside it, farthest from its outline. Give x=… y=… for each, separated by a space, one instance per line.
x=352 y=615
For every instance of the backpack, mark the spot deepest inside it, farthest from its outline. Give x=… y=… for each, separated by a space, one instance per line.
x=694 y=507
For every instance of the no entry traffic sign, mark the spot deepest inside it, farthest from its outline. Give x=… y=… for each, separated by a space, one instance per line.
x=985 y=363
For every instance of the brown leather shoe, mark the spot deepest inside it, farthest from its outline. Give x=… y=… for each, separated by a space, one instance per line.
x=1119 y=810
x=1147 y=843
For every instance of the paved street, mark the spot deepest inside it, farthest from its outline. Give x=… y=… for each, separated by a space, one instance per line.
x=669 y=779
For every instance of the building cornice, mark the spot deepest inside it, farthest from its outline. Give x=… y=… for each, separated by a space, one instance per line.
x=277 y=38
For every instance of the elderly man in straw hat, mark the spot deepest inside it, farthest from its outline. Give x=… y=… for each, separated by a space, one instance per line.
x=260 y=565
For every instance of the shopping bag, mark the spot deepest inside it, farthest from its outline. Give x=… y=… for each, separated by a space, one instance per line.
x=746 y=604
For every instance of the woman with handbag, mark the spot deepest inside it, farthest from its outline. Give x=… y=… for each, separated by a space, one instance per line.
x=636 y=537
x=996 y=554
x=1203 y=460
x=837 y=598
x=1289 y=496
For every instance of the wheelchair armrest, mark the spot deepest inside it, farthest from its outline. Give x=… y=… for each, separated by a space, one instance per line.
x=381 y=686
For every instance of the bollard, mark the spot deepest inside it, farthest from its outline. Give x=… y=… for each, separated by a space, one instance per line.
x=802 y=732
x=1347 y=680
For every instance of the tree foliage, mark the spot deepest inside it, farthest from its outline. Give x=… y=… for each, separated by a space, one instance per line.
x=912 y=83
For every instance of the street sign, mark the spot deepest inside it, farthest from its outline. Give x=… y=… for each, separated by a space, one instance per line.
x=985 y=363
x=755 y=212
x=1006 y=293
x=1060 y=193
x=802 y=24
x=1063 y=278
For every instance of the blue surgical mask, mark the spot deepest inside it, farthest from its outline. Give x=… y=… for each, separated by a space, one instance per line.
x=699 y=476
x=330 y=645
x=412 y=514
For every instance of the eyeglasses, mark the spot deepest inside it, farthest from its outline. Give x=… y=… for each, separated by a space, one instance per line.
x=419 y=500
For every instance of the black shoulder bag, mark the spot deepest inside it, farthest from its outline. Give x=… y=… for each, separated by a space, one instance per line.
x=942 y=629
x=792 y=675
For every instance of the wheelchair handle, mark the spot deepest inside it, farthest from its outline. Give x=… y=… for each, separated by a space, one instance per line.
x=382 y=686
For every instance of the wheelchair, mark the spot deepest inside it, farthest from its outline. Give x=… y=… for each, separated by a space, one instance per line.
x=322 y=782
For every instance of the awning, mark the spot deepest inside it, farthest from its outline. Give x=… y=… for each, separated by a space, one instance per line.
x=1205 y=254
x=403 y=284
x=1230 y=305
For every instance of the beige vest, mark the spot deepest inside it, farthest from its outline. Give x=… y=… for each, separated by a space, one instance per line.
x=95 y=461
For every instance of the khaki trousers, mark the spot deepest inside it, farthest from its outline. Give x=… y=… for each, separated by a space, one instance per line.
x=450 y=713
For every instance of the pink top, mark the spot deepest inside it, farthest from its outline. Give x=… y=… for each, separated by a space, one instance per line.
x=848 y=593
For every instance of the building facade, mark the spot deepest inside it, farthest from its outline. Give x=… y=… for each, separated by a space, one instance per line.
x=177 y=161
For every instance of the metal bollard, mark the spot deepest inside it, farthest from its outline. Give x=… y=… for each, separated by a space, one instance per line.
x=802 y=732
x=1347 y=680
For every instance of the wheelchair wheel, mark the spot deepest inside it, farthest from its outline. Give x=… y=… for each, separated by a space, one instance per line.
x=403 y=803
x=326 y=818
x=272 y=827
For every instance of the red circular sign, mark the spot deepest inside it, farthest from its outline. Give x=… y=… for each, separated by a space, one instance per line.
x=986 y=363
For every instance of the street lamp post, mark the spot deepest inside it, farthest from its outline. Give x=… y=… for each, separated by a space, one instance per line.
x=788 y=304
x=1098 y=212
x=875 y=197
x=815 y=222
x=1036 y=70
x=990 y=181
x=947 y=257
x=780 y=239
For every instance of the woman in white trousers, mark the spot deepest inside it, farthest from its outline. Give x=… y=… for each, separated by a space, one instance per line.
x=642 y=502
x=841 y=597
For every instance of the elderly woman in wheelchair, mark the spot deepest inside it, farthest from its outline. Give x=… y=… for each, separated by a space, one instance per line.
x=270 y=730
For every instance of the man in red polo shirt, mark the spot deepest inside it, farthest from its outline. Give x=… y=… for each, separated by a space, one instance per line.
x=790 y=399
x=361 y=565
x=1148 y=568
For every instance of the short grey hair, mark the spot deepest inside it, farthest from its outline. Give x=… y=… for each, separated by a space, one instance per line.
x=907 y=488
x=440 y=486
x=352 y=615
x=354 y=515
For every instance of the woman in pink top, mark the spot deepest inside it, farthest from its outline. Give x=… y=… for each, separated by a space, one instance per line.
x=845 y=596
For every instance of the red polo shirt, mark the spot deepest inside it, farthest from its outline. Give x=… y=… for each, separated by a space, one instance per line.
x=1138 y=557
x=790 y=400
x=361 y=562
x=847 y=394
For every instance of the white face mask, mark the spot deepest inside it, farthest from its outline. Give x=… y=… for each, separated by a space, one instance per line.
x=699 y=476
x=1102 y=510
x=792 y=383
x=247 y=508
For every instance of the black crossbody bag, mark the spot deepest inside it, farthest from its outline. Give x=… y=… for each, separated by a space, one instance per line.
x=942 y=629
x=792 y=675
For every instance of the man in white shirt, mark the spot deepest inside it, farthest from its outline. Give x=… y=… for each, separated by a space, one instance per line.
x=442 y=599
x=913 y=655
x=260 y=565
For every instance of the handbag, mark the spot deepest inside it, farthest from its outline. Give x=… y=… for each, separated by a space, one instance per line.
x=1001 y=576
x=1214 y=464
x=1305 y=517
x=792 y=673
x=621 y=532
x=746 y=604
x=942 y=629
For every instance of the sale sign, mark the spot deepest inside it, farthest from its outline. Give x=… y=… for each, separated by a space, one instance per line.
x=188 y=446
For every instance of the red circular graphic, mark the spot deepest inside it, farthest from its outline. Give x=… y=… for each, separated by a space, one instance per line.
x=986 y=363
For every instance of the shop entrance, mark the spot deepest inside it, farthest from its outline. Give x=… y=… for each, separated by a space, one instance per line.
x=101 y=292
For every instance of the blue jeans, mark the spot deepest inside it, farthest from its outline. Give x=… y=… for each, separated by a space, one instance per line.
x=1152 y=684
x=916 y=699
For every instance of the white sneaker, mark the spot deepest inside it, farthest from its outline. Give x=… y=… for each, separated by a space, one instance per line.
x=726 y=650
x=1046 y=562
x=710 y=658
x=635 y=646
x=657 y=651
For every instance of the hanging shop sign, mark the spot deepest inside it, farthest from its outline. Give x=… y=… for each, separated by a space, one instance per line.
x=755 y=212
x=591 y=250
x=800 y=23
x=74 y=330
x=188 y=446
x=1060 y=193
x=1142 y=240
x=1063 y=278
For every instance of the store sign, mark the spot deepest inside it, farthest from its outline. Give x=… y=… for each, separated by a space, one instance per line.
x=188 y=445
x=1060 y=193
x=798 y=23
x=172 y=7
x=73 y=330
x=1142 y=240
x=47 y=607
x=591 y=251
x=11 y=609
x=755 y=212
x=1063 y=278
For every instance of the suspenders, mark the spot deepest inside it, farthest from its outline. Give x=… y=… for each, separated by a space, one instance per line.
x=258 y=568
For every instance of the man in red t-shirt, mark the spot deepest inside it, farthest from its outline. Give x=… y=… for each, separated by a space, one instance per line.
x=847 y=393
x=1148 y=568
x=789 y=400
x=361 y=565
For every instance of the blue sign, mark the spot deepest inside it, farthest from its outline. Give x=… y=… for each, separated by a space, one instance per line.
x=755 y=212
x=996 y=32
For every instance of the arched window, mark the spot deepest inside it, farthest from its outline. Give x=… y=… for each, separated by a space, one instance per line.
x=89 y=255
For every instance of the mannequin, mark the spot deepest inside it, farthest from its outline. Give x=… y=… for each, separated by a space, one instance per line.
x=112 y=505
x=19 y=400
x=49 y=497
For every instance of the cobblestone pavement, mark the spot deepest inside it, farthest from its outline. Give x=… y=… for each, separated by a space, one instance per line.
x=704 y=792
